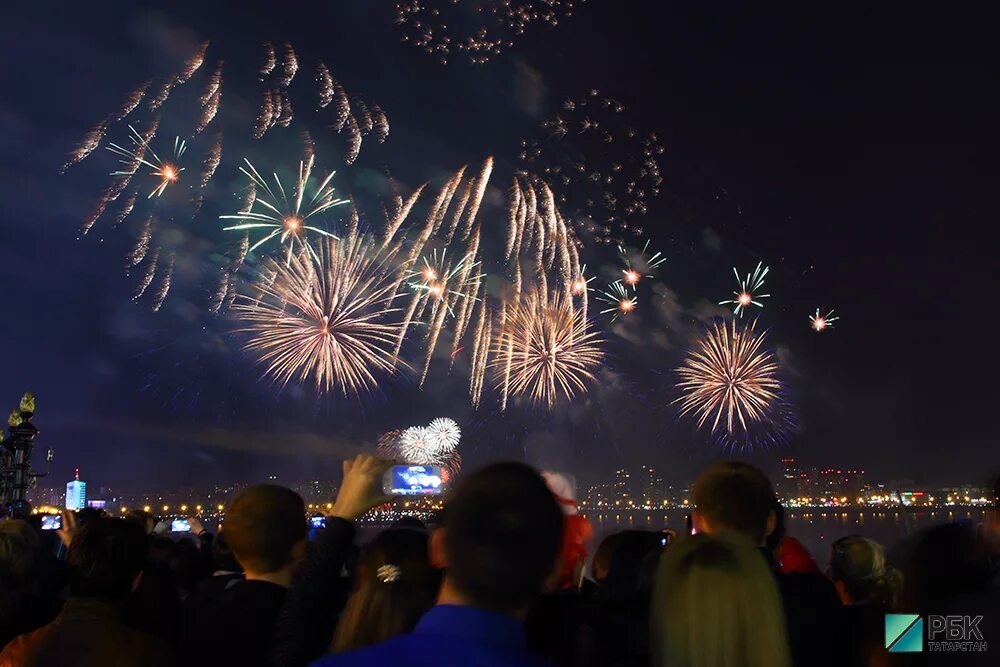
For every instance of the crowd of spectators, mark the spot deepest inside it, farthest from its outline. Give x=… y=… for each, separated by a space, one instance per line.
x=502 y=577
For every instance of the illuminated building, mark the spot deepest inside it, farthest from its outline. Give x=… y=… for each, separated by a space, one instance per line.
x=76 y=493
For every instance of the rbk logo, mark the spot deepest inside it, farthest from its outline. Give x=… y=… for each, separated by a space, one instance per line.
x=904 y=633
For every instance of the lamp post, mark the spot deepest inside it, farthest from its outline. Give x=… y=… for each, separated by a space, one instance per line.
x=16 y=475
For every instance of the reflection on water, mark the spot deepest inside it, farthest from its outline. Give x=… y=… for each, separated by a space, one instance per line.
x=815 y=528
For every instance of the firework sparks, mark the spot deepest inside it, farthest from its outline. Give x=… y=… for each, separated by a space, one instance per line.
x=289 y=65
x=619 y=299
x=167 y=171
x=426 y=24
x=748 y=294
x=440 y=282
x=353 y=134
x=820 y=322
x=281 y=217
x=604 y=170
x=330 y=321
x=730 y=380
x=269 y=61
x=164 y=287
x=545 y=349
x=380 y=124
x=325 y=82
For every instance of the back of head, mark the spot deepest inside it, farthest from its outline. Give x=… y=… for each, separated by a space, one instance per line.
x=630 y=551
x=858 y=563
x=602 y=555
x=946 y=561
x=105 y=557
x=17 y=555
x=503 y=531
x=263 y=526
x=715 y=602
x=395 y=585
x=25 y=530
x=732 y=495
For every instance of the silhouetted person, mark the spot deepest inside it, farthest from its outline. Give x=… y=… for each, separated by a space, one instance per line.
x=106 y=557
x=17 y=578
x=868 y=589
x=736 y=496
x=266 y=530
x=498 y=545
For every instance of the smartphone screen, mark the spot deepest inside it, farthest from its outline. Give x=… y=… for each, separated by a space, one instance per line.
x=317 y=522
x=413 y=481
x=180 y=526
x=51 y=521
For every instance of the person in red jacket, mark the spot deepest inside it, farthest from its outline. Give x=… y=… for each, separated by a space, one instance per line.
x=577 y=530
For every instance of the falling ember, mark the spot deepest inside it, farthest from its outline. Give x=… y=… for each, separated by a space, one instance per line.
x=820 y=322
x=748 y=293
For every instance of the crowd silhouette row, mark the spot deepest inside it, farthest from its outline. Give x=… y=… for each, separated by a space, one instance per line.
x=502 y=577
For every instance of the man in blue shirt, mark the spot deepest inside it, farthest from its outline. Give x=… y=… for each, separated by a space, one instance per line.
x=499 y=543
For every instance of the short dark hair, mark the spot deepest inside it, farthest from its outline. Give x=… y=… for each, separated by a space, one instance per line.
x=263 y=525
x=503 y=532
x=736 y=496
x=105 y=557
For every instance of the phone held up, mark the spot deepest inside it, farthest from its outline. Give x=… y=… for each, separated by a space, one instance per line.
x=51 y=521
x=407 y=480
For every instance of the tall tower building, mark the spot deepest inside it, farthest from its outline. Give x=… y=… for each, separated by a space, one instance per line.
x=76 y=493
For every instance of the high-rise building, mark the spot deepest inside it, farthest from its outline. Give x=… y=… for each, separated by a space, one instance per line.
x=650 y=489
x=76 y=493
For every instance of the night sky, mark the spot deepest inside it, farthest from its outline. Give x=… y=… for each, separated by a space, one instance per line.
x=852 y=149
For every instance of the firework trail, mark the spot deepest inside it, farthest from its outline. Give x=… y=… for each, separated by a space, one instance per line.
x=157 y=100
x=219 y=296
x=208 y=111
x=353 y=135
x=325 y=82
x=731 y=381
x=289 y=64
x=148 y=275
x=90 y=142
x=285 y=116
x=141 y=246
x=477 y=196
x=284 y=218
x=820 y=322
x=380 y=124
x=265 y=115
x=329 y=321
x=211 y=162
x=164 y=287
x=132 y=101
x=480 y=352
x=545 y=350
x=126 y=209
x=363 y=116
x=269 y=61
x=192 y=65
x=213 y=86
x=747 y=295
x=618 y=297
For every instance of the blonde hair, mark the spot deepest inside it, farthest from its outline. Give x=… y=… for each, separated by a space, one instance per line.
x=716 y=604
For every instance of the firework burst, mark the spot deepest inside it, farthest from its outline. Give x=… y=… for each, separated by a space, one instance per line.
x=731 y=381
x=434 y=444
x=442 y=283
x=329 y=321
x=820 y=322
x=168 y=171
x=619 y=299
x=748 y=293
x=639 y=266
x=282 y=217
x=544 y=349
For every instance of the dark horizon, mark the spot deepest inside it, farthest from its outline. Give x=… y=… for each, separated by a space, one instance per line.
x=849 y=149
